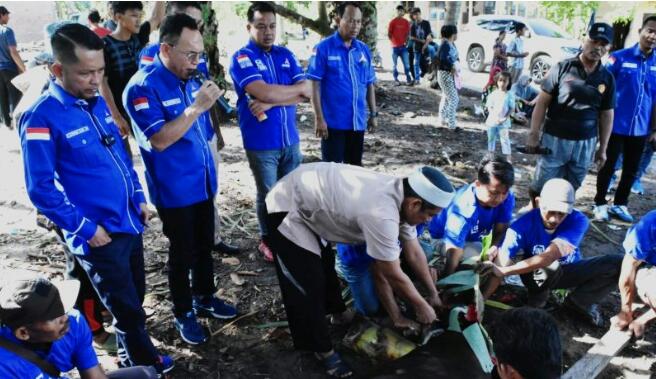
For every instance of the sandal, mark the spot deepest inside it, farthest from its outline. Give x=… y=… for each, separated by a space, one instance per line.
x=335 y=366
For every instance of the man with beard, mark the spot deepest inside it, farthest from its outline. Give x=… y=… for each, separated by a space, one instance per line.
x=576 y=107
x=169 y=111
x=549 y=238
x=78 y=175
x=343 y=79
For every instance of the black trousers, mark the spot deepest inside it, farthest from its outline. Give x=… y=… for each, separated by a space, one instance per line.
x=190 y=231
x=343 y=146
x=310 y=288
x=9 y=96
x=632 y=148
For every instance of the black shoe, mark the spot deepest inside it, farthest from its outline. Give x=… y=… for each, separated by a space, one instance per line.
x=224 y=248
x=591 y=315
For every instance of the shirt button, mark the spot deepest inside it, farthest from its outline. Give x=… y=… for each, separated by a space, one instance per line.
x=84 y=142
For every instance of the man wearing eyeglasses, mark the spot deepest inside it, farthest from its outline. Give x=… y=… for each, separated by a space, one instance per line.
x=269 y=81
x=169 y=111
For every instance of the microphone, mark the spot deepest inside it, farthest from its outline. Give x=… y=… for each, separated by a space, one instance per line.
x=222 y=102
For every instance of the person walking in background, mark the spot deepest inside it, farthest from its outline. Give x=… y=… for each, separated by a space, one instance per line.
x=517 y=52
x=421 y=35
x=500 y=105
x=500 y=59
x=446 y=77
x=11 y=64
x=635 y=122
x=398 y=32
x=94 y=24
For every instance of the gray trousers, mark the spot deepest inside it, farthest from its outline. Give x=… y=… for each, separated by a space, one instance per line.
x=591 y=279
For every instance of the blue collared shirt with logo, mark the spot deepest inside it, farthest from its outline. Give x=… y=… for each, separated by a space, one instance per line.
x=182 y=174
x=640 y=240
x=278 y=66
x=73 y=175
x=635 y=78
x=344 y=73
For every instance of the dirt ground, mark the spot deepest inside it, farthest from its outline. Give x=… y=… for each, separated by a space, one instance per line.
x=253 y=346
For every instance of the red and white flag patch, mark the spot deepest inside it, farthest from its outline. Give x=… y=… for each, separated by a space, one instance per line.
x=140 y=103
x=37 y=134
x=244 y=61
x=146 y=60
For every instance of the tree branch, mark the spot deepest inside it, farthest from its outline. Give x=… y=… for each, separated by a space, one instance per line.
x=319 y=26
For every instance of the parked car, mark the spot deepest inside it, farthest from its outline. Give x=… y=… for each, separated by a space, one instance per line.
x=545 y=42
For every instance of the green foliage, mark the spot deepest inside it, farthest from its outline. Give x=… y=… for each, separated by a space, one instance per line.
x=566 y=13
x=240 y=8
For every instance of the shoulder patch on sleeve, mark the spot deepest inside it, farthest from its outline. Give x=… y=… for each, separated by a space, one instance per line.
x=244 y=61
x=140 y=103
x=36 y=133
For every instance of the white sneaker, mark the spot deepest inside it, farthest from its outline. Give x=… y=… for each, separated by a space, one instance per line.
x=600 y=212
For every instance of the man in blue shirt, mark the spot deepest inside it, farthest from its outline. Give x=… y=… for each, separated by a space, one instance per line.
x=549 y=238
x=37 y=316
x=634 y=125
x=638 y=275
x=78 y=176
x=11 y=65
x=168 y=108
x=269 y=81
x=343 y=79
x=477 y=210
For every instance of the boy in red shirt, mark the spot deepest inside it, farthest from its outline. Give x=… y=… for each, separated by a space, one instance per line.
x=398 y=31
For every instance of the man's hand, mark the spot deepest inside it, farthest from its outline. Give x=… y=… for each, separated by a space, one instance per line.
x=622 y=319
x=145 y=213
x=123 y=125
x=404 y=323
x=532 y=102
x=320 y=128
x=207 y=96
x=485 y=268
x=257 y=107
x=532 y=143
x=306 y=89
x=435 y=301
x=425 y=313
x=101 y=238
x=492 y=253
x=600 y=158
x=372 y=124
x=652 y=138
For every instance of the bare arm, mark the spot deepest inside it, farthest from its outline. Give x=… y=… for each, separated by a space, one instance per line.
x=106 y=93
x=157 y=15
x=551 y=254
x=93 y=373
x=17 y=59
x=278 y=94
x=652 y=136
x=626 y=284
x=605 y=128
x=320 y=126
x=539 y=112
x=414 y=255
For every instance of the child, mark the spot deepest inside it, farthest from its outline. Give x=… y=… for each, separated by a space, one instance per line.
x=500 y=104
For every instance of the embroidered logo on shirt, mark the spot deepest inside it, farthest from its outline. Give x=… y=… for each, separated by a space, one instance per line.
x=630 y=65
x=108 y=119
x=146 y=60
x=602 y=88
x=37 y=134
x=140 y=103
x=77 y=132
x=334 y=58
x=538 y=249
x=286 y=64
x=652 y=68
x=244 y=61
x=260 y=65
x=363 y=58
x=168 y=103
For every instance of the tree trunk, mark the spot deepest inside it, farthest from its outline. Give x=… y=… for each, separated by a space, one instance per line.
x=452 y=13
x=369 y=31
x=321 y=25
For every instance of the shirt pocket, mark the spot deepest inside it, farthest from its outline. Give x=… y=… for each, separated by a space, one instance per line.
x=363 y=72
x=86 y=150
x=334 y=68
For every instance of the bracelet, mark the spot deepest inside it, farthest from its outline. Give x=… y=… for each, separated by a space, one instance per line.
x=373 y=114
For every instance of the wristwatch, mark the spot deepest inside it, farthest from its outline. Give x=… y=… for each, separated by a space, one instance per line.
x=373 y=114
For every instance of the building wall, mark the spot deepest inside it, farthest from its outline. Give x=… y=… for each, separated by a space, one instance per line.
x=29 y=18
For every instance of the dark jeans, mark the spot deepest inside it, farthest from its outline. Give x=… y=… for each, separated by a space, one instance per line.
x=9 y=96
x=117 y=272
x=591 y=280
x=190 y=231
x=343 y=146
x=309 y=286
x=632 y=148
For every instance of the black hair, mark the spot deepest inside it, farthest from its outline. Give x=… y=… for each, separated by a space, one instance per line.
x=182 y=5
x=341 y=8
x=3 y=10
x=67 y=37
x=495 y=165
x=172 y=27
x=94 y=16
x=528 y=340
x=648 y=19
x=519 y=26
x=448 y=30
x=505 y=74
x=124 y=6
x=259 y=6
x=400 y=8
x=434 y=176
x=415 y=10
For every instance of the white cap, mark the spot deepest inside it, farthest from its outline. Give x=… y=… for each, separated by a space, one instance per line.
x=431 y=185
x=557 y=195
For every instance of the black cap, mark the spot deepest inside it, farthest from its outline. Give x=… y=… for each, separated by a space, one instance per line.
x=601 y=31
x=33 y=299
x=3 y=10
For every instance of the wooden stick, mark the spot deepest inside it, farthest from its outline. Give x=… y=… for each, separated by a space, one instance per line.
x=226 y=326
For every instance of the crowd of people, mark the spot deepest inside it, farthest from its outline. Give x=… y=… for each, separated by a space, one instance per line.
x=108 y=83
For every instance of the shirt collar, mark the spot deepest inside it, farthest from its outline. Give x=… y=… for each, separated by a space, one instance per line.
x=168 y=76
x=638 y=53
x=253 y=46
x=338 y=42
x=65 y=98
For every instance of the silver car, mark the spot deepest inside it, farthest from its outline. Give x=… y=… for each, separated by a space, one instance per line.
x=545 y=42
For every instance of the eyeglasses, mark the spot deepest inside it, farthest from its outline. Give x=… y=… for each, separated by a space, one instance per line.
x=190 y=56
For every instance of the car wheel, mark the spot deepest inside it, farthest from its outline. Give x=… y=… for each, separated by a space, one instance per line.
x=539 y=68
x=476 y=59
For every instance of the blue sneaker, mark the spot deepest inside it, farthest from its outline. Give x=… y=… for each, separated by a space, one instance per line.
x=637 y=188
x=621 y=212
x=164 y=364
x=213 y=307
x=190 y=330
